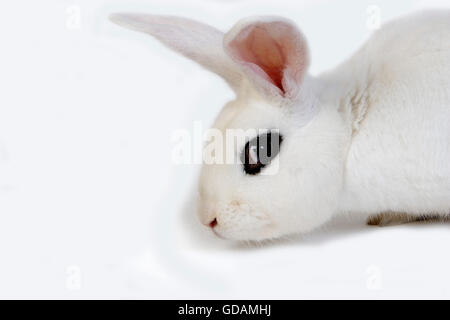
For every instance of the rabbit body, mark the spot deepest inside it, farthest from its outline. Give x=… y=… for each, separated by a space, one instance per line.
x=396 y=97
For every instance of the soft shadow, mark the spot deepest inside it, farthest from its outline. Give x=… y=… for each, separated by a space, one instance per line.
x=339 y=227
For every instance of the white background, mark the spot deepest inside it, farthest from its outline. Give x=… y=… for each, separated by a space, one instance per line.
x=91 y=205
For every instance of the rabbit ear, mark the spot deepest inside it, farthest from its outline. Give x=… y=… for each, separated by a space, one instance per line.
x=197 y=41
x=272 y=52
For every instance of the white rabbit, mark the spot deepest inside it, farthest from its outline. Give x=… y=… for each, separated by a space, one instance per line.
x=370 y=137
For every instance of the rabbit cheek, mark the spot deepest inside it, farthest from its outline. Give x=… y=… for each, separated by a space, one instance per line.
x=239 y=221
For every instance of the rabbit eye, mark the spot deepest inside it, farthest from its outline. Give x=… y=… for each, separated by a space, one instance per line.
x=260 y=151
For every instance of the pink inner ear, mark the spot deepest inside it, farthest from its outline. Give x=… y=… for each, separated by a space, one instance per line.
x=270 y=49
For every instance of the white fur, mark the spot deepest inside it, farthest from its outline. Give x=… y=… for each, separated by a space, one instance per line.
x=371 y=136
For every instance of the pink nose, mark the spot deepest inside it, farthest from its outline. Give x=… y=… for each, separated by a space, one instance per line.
x=213 y=223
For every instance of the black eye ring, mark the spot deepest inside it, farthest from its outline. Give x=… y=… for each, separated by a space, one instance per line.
x=260 y=151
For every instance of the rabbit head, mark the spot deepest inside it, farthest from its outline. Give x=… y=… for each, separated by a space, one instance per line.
x=265 y=61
